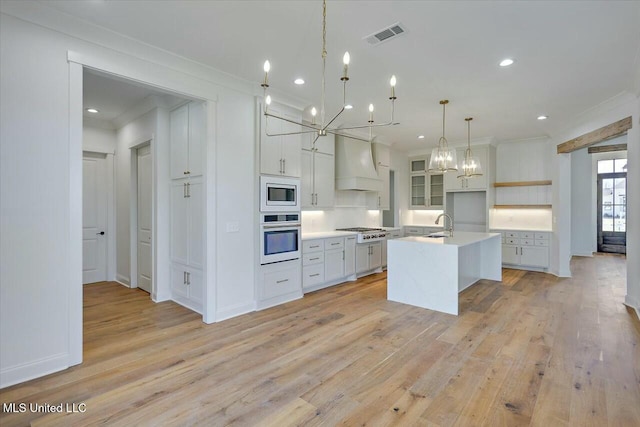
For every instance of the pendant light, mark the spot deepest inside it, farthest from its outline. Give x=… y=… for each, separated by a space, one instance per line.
x=443 y=159
x=470 y=166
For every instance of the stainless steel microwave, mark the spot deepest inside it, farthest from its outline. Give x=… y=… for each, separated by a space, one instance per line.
x=279 y=194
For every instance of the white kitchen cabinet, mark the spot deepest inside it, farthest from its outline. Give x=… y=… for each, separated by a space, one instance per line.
x=391 y=234
x=279 y=282
x=350 y=256
x=187 y=244
x=327 y=261
x=525 y=249
x=318 y=174
x=187 y=135
x=368 y=257
x=477 y=183
x=382 y=161
x=279 y=154
x=333 y=264
x=426 y=190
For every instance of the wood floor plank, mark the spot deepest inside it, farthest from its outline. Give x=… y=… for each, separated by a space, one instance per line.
x=530 y=350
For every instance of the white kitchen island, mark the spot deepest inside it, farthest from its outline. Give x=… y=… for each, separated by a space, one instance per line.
x=429 y=272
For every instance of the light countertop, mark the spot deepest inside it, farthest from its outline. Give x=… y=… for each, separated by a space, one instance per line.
x=460 y=238
x=546 y=230
x=327 y=234
x=423 y=225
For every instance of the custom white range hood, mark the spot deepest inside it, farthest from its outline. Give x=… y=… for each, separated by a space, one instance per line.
x=354 y=166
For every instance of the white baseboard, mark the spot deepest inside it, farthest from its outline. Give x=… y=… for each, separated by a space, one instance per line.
x=631 y=302
x=587 y=254
x=35 y=369
x=234 y=311
x=124 y=281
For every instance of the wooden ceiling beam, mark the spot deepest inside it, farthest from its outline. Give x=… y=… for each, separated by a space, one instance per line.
x=607 y=132
x=608 y=148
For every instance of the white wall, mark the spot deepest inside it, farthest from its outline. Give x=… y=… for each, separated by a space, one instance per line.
x=98 y=139
x=34 y=206
x=134 y=133
x=40 y=314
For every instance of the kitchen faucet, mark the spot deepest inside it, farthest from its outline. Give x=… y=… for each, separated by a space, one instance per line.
x=450 y=222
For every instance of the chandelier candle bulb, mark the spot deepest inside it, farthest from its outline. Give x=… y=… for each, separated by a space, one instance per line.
x=346 y=59
x=266 y=67
x=313 y=115
x=392 y=82
x=370 y=113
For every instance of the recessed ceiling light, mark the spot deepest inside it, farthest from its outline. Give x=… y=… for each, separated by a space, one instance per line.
x=348 y=107
x=299 y=81
x=420 y=136
x=506 y=62
x=92 y=110
x=543 y=117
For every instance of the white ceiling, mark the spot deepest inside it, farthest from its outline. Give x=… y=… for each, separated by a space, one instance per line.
x=570 y=56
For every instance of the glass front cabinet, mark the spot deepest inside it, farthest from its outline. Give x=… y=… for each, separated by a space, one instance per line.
x=426 y=189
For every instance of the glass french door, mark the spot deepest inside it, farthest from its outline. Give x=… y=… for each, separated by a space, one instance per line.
x=612 y=206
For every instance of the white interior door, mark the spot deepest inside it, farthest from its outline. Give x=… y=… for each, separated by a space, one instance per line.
x=144 y=218
x=94 y=217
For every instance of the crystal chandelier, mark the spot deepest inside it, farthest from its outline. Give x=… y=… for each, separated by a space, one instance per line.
x=443 y=159
x=322 y=128
x=470 y=166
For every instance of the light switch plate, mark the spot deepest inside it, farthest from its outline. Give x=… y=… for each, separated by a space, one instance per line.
x=233 y=227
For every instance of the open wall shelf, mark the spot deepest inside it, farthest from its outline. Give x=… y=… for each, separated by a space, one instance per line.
x=522 y=206
x=521 y=183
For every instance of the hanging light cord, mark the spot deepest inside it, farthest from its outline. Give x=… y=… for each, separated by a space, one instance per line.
x=324 y=60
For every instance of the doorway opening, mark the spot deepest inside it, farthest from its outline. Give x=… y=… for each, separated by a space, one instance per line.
x=612 y=206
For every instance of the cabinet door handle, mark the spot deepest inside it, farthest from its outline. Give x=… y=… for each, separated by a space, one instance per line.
x=314 y=275
x=184 y=277
x=188 y=189
x=315 y=246
x=188 y=278
x=336 y=243
x=280 y=171
x=343 y=255
x=282 y=281
x=313 y=259
x=184 y=190
x=284 y=165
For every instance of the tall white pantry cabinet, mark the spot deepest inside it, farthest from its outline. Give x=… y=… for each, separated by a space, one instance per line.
x=187 y=205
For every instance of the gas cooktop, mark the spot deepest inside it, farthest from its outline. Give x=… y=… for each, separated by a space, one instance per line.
x=366 y=234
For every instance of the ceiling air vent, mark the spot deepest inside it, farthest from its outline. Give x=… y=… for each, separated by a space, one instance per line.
x=385 y=34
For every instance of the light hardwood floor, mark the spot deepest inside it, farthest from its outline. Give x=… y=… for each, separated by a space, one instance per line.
x=530 y=350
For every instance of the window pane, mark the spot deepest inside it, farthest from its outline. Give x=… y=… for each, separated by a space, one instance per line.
x=605 y=166
x=607 y=221
x=619 y=220
x=620 y=165
x=619 y=192
x=417 y=165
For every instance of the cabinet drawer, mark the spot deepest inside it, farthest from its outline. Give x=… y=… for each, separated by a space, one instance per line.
x=526 y=234
x=313 y=258
x=413 y=231
x=512 y=241
x=312 y=275
x=334 y=243
x=542 y=236
x=282 y=282
x=512 y=234
x=394 y=235
x=542 y=242
x=527 y=242
x=312 y=246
